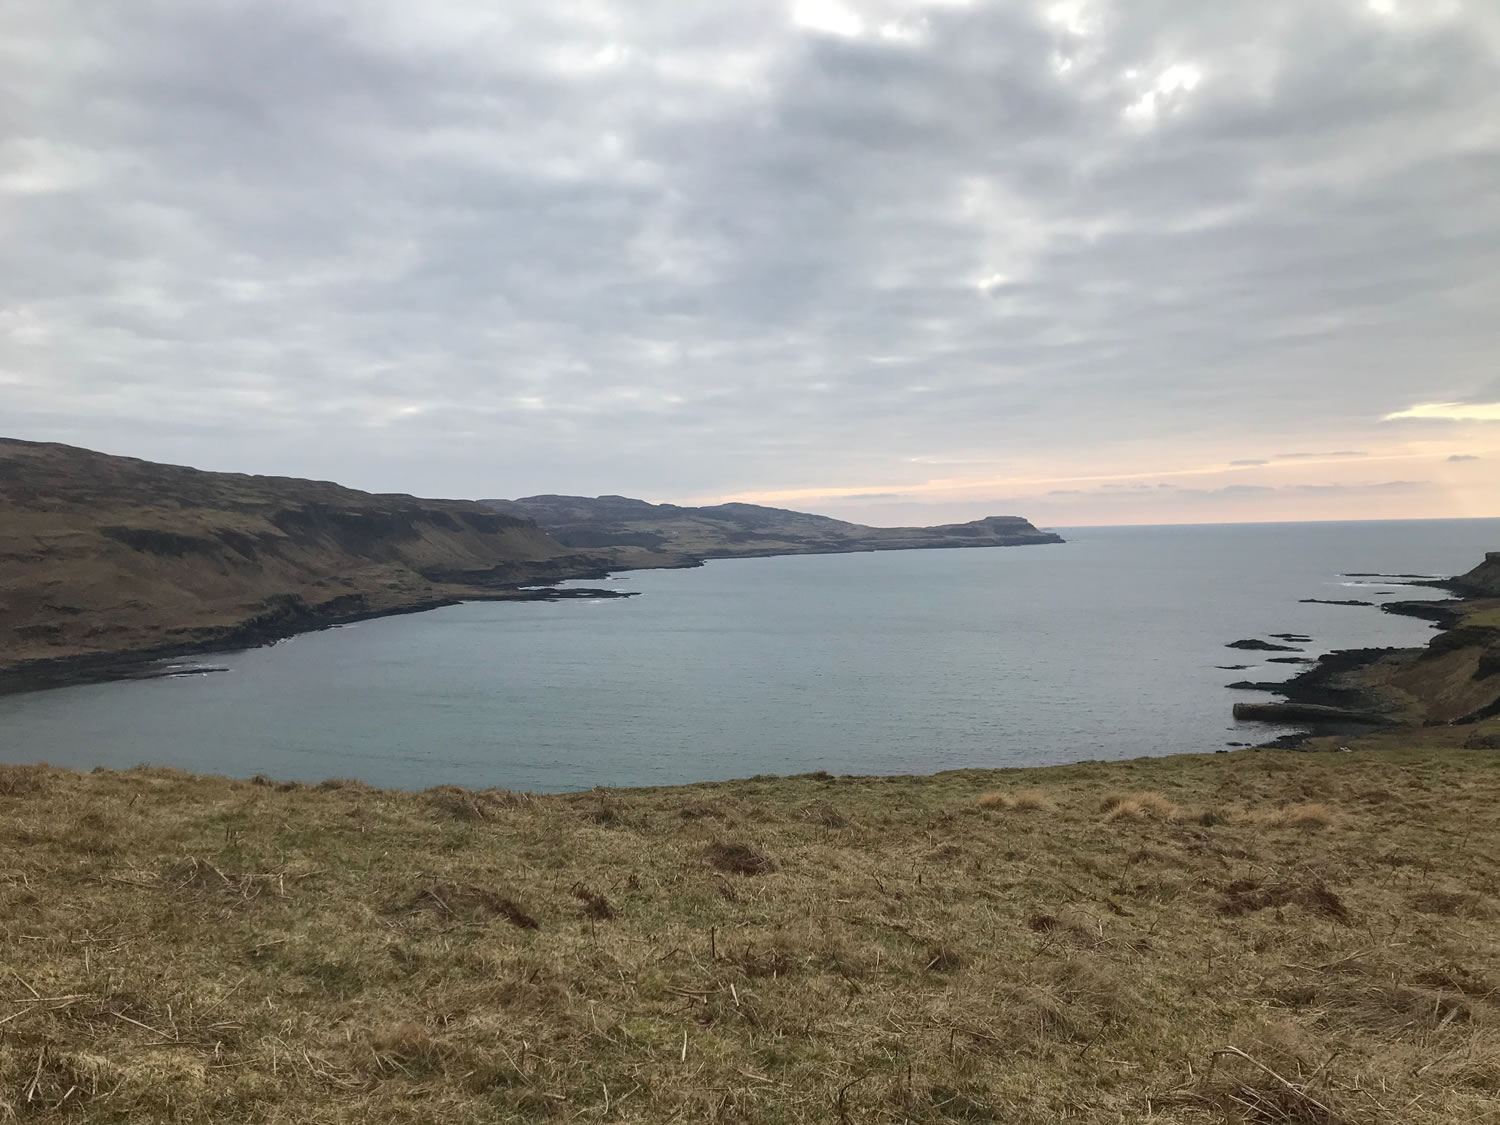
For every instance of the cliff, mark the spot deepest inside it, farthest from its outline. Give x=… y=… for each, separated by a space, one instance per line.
x=1481 y=582
x=639 y=533
x=105 y=557
x=1454 y=680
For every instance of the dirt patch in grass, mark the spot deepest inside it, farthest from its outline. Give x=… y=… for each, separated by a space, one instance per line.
x=1246 y=896
x=739 y=858
x=1469 y=904
x=464 y=903
x=595 y=905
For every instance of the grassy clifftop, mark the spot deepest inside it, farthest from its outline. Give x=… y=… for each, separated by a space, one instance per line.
x=1249 y=937
x=103 y=555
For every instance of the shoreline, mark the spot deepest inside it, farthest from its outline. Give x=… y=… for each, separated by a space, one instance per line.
x=295 y=619
x=290 y=615
x=1345 y=692
x=1351 y=692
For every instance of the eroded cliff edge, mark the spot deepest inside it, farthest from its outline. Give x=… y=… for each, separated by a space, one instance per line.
x=110 y=560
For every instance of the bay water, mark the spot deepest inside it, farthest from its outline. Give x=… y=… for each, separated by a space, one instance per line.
x=1107 y=646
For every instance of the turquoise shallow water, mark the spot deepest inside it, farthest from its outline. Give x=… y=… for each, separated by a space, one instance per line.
x=915 y=661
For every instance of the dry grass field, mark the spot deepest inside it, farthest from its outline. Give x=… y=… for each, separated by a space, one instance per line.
x=1262 y=937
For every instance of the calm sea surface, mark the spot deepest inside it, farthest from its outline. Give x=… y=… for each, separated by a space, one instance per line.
x=896 y=662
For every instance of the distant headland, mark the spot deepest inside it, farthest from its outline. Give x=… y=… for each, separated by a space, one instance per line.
x=635 y=533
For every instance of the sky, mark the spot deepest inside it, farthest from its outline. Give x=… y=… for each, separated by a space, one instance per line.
x=901 y=261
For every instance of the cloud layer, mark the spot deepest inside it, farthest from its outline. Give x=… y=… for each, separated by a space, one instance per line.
x=685 y=251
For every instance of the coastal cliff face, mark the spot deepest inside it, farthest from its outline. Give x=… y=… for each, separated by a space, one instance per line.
x=103 y=555
x=637 y=530
x=1481 y=582
x=1454 y=680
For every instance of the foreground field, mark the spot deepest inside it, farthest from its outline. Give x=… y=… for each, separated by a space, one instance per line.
x=1257 y=937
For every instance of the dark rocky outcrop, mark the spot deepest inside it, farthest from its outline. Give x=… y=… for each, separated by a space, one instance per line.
x=1253 y=644
x=1445 y=613
x=1481 y=582
x=1305 y=713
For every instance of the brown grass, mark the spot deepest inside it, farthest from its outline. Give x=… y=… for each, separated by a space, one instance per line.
x=188 y=949
x=1138 y=806
x=1308 y=817
x=1028 y=800
x=739 y=858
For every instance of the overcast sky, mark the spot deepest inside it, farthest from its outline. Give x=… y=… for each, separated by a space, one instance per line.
x=898 y=260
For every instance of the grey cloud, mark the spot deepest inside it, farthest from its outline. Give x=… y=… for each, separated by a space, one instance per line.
x=509 y=249
x=1489 y=392
x=1229 y=492
x=1463 y=457
x=1248 y=461
x=1390 y=486
x=1242 y=491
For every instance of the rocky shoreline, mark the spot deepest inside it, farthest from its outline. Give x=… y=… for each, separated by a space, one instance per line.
x=1453 y=680
x=288 y=617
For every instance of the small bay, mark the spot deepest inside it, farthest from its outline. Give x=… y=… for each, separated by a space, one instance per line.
x=1107 y=646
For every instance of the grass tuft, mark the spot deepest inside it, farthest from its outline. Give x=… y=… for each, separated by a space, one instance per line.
x=1027 y=800
x=22 y=781
x=1138 y=806
x=826 y=814
x=1308 y=817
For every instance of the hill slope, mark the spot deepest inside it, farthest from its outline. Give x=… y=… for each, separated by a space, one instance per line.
x=1202 y=940
x=102 y=556
x=1481 y=582
x=628 y=526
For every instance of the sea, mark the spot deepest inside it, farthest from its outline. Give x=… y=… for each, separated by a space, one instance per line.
x=1108 y=646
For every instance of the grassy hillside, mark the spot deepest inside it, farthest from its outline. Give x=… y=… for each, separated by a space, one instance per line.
x=639 y=532
x=1249 y=937
x=109 y=555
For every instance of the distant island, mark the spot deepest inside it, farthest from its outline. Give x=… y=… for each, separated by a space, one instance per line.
x=110 y=563
x=636 y=533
